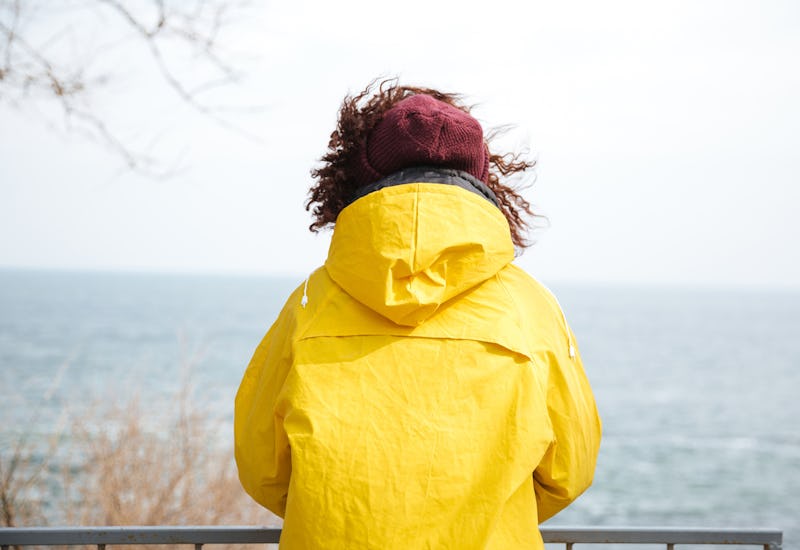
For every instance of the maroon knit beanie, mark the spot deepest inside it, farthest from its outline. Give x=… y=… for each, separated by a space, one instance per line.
x=422 y=131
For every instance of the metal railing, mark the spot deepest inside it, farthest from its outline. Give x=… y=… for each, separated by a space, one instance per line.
x=199 y=536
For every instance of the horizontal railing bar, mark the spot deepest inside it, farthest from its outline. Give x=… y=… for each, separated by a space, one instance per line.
x=661 y=535
x=49 y=536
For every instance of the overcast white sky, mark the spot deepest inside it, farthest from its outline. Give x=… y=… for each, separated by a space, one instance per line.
x=667 y=136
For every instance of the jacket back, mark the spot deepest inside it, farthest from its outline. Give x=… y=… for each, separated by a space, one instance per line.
x=419 y=390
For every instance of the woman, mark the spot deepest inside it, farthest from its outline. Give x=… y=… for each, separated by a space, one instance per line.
x=418 y=390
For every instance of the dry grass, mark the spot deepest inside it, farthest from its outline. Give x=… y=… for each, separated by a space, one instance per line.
x=121 y=468
x=21 y=473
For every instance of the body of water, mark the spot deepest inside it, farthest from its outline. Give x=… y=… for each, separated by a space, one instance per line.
x=697 y=388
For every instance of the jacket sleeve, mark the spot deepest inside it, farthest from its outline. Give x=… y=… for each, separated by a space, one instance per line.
x=261 y=446
x=567 y=467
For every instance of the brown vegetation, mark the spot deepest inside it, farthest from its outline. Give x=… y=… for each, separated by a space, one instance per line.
x=126 y=470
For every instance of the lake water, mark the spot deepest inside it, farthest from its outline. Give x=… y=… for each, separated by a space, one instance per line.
x=698 y=388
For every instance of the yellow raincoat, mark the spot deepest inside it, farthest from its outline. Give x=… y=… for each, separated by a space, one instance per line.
x=419 y=390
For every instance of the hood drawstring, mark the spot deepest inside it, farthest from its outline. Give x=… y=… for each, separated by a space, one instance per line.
x=304 y=299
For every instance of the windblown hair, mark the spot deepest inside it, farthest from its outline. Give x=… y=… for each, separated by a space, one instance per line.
x=359 y=114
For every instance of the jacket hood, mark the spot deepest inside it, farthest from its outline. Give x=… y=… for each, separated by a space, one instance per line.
x=405 y=250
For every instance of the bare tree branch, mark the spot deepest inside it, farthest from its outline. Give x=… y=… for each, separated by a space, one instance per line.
x=37 y=69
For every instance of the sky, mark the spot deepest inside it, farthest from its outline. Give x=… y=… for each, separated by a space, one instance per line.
x=666 y=136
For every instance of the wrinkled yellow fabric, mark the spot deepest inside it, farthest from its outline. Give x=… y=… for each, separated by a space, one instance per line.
x=417 y=391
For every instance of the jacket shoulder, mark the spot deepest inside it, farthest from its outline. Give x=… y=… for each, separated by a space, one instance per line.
x=527 y=289
x=306 y=302
x=540 y=315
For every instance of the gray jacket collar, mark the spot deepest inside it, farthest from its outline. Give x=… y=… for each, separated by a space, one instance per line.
x=431 y=174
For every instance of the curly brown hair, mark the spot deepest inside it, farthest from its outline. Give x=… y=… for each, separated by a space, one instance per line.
x=358 y=115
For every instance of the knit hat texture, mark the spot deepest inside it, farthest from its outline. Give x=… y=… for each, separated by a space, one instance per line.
x=423 y=131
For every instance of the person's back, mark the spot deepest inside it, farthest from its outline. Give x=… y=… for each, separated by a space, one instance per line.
x=418 y=391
